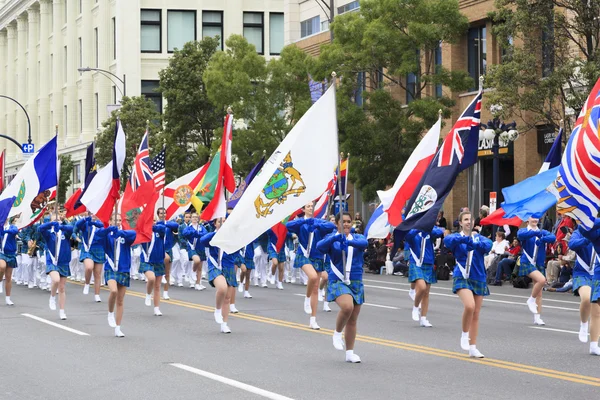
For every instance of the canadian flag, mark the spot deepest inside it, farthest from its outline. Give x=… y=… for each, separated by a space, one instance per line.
x=394 y=199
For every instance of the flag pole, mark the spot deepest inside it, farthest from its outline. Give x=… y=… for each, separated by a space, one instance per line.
x=57 y=176
x=164 y=185
x=339 y=184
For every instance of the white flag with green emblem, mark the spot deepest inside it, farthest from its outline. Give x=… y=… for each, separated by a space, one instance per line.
x=296 y=173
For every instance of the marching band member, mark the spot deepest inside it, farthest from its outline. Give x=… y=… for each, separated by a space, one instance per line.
x=246 y=263
x=470 y=277
x=169 y=242
x=221 y=276
x=594 y=236
x=277 y=259
x=152 y=265
x=196 y=252
x=91 y=254
x=180 y=265
x=533 y=241
x=345 y=285
x=309 y=231
x=117 y=244
x=58 y=255
x=8 y=257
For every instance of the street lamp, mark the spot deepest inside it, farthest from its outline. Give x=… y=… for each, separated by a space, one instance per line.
x=28 y=122
x=104 y=72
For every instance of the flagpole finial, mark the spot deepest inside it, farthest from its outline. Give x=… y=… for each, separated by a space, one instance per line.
x=440 y=113
x=333 y=74
x=562 y=123
x=229 y=110
x=481 y=82
x=147 y=123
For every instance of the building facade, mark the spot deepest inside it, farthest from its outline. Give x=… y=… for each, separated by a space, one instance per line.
x=43 y=43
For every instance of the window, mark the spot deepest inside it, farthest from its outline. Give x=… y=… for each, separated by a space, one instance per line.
x=411 y=87
x=80 y=54
x=80 y=6
x=150 y=91
x=349 y=7
x=65 y=119
x=114 y=38
x=310 y=26
x=65 y=65
x=76 y=174
x=114 y=94
x=96 y=47
x=324 y=25
x=438 y=65
x=65 y=11
x=548 y=50
x=181 y=28
x=361 y=88
x=96 y=103
x=80 y=116
x=51 y=69
x=476 y=53
x=507 y=49
x=212 y=25
x=150 y=31
x=254 y=30
x=275 y=33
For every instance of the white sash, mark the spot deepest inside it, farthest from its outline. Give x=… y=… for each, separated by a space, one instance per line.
x=4 y=238
x=589 y=268
x=87 y=245
x=529 y=258
x=466 y=270
x=345 y=277
x=54 y=257
x=147 y=255
x=115 y=265
x=212 y=259
x=419 y=260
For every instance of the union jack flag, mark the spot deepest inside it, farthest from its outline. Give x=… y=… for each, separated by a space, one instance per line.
x=158 y=170
x=577 y=186
x=142 y=172
x=452 y=146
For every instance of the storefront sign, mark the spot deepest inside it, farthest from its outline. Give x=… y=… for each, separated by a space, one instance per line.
x=486 y=148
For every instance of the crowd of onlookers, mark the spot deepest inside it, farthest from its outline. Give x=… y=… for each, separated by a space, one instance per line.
x=502 y=262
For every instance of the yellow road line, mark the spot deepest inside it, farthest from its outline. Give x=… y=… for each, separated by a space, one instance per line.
x=508 y=365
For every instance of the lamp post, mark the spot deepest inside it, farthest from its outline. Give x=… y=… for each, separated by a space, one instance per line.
x=28 y=122
x=104 y=72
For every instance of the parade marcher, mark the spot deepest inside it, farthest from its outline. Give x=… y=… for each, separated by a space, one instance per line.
x=153 y=265
x=533 y=241
x=277 y=259
x=8 y=257
x=309 y=231
x=196 y=252
x=171 y=228
x=181 y=265
x=594 y=236
x=345 y=286
x=583 y=274
x=57 y=235
x=117 y=245
x=470 y=278
x=91 y=253
x=421 y=271
x=26 y=264
x=246 y=264
x=221 y=276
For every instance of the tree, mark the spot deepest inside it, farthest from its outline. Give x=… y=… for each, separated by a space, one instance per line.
x=374 y=51
x=136 y=114
x=551 y=61
x=64 y=181
x=190 y=117
x=267 y=99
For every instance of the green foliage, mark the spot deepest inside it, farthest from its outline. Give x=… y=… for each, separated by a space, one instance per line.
x=559 y=37
x=266 y=98
x=135 y=113
x=387 y=40
x=191 y=121
x=66 y=173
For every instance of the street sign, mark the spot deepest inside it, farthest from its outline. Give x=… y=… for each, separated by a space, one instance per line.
x=28 y=148
x=493 y=200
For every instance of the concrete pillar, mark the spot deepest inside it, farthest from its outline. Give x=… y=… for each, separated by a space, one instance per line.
x=128 y=20
x=72 y=43
x=44 y=129
x=11 y=80
x=89 y=55
x=103 y=86
x=57 y=67
x=3 y=102
x=22 y=126
x=33 y=15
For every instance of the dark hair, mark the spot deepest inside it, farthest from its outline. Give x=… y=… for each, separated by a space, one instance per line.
x=501 y=234
x=187 y=212
x=339 y=216
x=159 y=209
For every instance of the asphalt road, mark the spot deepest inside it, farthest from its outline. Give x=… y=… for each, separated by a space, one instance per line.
x=273 y=354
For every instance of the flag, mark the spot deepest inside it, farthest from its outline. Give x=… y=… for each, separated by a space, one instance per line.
x=217 y=207
x=204 y=191
x=341 y=183
x=32 y=186
x=73 y=205
x=158 y=170
x=103 y=190
x=457 y=152
x=139 y=198
x=322 y=202
x=294 y=175
x=378 y=226
x=280 y=229
x=235 y=197
x=179 y=193
x=523 y=201
x=2 y=168
x=316 y=89
x=394 y=199
x=577 y=185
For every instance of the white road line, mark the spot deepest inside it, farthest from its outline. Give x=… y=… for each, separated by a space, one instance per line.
x=486 y=300
x=231 y=382
x=554 y=330
x=54 y=324
x=364 y=304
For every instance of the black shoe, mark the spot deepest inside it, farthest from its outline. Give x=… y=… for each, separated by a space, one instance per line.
x=497 y=283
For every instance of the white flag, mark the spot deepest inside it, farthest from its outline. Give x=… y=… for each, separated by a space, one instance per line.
x=296 y=173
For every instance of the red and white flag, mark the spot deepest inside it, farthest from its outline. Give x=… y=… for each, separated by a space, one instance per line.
x=394 y=199
x=103 y=191
x=217 y=207
x=2 y=159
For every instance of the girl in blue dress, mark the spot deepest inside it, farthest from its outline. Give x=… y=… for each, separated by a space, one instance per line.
x=8 y=257
x=533 y=242
x=91 y=253
x=153 y=266
x=245 y=261
x=196 y=252
x=594 y=236
x=470 y=277
x=345 y=285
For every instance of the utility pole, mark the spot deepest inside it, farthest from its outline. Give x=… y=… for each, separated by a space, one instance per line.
x=331 y=15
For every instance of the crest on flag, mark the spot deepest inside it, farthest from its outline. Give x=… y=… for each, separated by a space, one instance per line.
x=285 y=181
x=183 y=195
x=425 y=200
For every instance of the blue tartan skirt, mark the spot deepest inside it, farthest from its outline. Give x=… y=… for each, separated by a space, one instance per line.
x=595 y=291
x=227 y=272
x=10 y=259
x=477 y=287
x=192 y=253
x=63 y=270
x=122 y=278
x=249 y=263
x=527 y=268
x=279 y=256
x=424 y=272
x=170 y=254
x=356 y=289
x=317 y=263
x=96 y=254
x=238 y=260
x=158 y=269
x=580 y=281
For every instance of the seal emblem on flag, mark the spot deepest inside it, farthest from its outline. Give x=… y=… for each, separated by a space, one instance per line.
x=183 y=195
x=285 y=181
x=424 y=201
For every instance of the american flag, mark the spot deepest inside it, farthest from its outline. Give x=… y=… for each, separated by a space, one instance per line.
x=141 y=166
x=577 y=186
x=452 y=145
x=158 y=169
